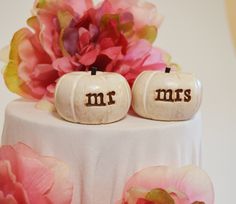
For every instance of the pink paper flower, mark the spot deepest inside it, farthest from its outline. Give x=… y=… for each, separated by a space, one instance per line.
x=73 y=35
x=165 y=185
x=28 y=178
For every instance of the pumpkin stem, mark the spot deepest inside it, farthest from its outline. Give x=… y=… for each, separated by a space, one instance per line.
x=168 y=69
x=94 y=70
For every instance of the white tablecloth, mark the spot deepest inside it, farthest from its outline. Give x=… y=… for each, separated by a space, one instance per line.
x=103 y=157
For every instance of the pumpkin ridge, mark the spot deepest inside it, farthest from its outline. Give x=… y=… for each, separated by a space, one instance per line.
x=72 y=98
x=145 y=92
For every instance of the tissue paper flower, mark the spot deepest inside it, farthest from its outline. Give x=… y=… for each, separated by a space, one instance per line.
x=73 y=35
x=165 y=185
x=28 y=178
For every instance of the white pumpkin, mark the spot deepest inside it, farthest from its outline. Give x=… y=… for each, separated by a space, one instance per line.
x=101 y=98
x=166 y=96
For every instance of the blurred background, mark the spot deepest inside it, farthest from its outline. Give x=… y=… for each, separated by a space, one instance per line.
x=200 y=36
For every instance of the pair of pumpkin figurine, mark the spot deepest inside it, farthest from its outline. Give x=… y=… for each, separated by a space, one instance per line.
x=105 y=97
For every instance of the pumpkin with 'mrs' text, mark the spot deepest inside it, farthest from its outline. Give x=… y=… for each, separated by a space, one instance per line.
x=167 y=96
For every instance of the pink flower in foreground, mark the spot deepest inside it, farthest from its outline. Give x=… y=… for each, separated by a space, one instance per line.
x=72 y=35
x=165 y=185
x=28 y=178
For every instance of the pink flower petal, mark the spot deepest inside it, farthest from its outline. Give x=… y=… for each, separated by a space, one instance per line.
x=61 y=189
x=27 y=53
x=9 y=199
x=93 y=31
x=196 y=184
x=24 y=71
x=140 y=11
x=80 y=6
x=156 y=55
x=138 y=50
x=30 y=51
x=112 y=52
x=189 y=180
x=90 y=57
x=7 y=153
x=47 y=28
x=106 y=43
x=144 y=201
x=36 y=178
x=34 y=175
x=10 y=189
x=49 y=96
x=157 y=66
x=24 y=150
x=127 y=17
x=56 y=47
x=180 y=199
x=124 y=69
x=35 y=88
x=84 y=37
x=105 y=8
x=125 y=4
x=51 y=88
x=44 y=72
x=70 y=39
x=63 y=65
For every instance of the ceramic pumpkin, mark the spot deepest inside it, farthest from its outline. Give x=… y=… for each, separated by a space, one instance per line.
x=168 y=96
x=92 y=98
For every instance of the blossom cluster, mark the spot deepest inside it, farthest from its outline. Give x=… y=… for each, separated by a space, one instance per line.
x=63 y=36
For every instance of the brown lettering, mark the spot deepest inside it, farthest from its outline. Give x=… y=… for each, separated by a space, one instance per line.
x=187 y=95
x=111 y=100
x=164 y=95
x=177 y=92
x=93 y=99
x=97 y=99
x=167 y=95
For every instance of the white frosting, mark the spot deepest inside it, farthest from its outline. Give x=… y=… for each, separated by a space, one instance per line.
x=103 y=157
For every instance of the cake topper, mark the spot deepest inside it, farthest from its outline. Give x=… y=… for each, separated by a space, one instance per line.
x=170 y=97
x=90 y=98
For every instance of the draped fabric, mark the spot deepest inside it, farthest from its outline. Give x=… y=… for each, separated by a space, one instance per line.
x=103 y=157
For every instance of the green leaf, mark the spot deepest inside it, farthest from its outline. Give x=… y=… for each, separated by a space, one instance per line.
x=64 y=18
x=61 y=43
x=127 y=27
x=148 y=32
x=159 y=196
x=41 y=3
x=33 y=23
x=108 y=17
x=11 y=78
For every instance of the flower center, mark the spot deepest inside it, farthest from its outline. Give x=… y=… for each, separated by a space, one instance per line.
x=162 y=196
x=159 y=196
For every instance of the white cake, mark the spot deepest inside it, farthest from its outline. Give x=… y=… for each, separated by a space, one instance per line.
x=103 y=157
